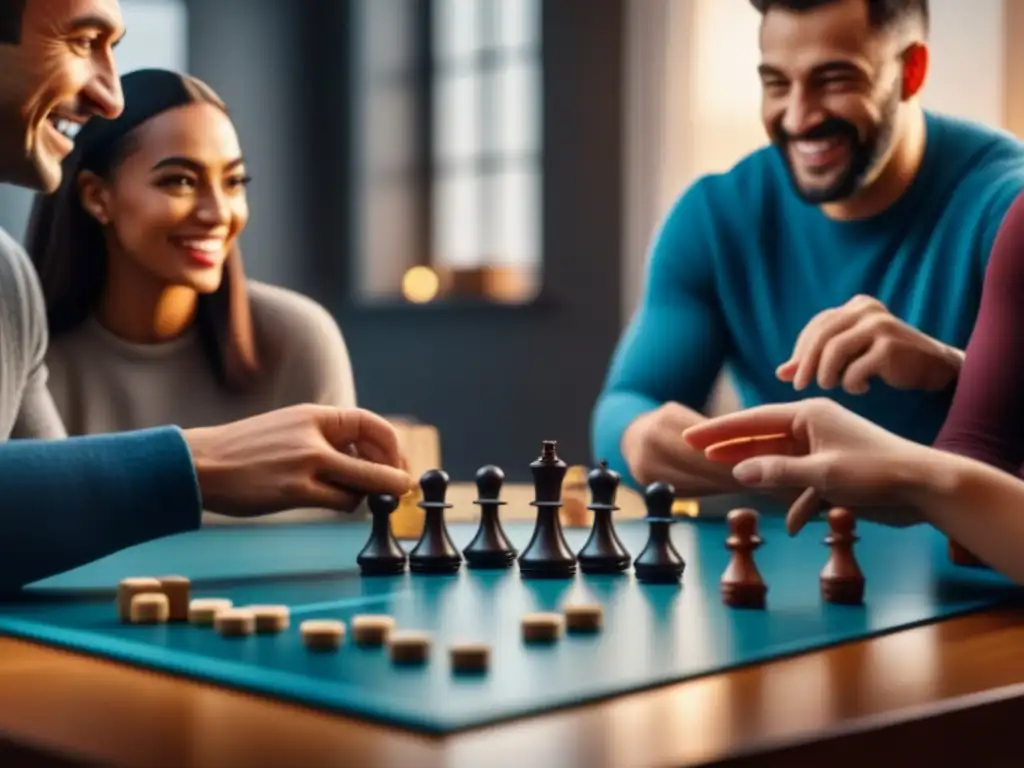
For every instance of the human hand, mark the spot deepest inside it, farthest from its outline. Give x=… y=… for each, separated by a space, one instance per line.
x=653 y=451
x=301 y=456
x=861 y=340
x=822 y=451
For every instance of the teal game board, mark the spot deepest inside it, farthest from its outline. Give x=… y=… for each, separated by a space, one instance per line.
x=653 y=635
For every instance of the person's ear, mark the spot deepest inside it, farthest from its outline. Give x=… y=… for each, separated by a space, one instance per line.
x=94 y=196
x=915 y=69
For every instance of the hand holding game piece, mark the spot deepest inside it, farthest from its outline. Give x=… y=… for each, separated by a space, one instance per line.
x=741 y=583
x=301 y=456
x=824 y=450
x=842 y=581
x=862 y=340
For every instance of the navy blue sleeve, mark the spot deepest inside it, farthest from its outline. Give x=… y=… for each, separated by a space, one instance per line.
x=677 y=342
x=65 y=503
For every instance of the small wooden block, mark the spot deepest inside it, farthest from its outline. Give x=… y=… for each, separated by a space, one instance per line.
x=470 y=657
x=322 y=634
x=149 y=608
x=409 y=647
x=129 y=588
x=235 y=622
x=583 y=617
x=542 y=627
x=370 y=630
x=270 y=619
x=203 y=610
x=177 y=590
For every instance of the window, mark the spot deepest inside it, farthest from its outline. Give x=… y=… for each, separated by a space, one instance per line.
x=448 y=149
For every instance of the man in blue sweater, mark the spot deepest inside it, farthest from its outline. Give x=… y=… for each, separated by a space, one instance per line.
x=845 y=259
x=65 y=502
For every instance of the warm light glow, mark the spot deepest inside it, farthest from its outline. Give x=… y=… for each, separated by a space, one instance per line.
x=420 y=284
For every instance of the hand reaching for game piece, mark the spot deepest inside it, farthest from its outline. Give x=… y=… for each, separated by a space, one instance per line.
x=302 y=456
x=654 y=453
x=821 y=450
x=861 y=340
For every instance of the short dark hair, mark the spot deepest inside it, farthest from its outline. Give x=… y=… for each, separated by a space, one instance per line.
x=11 y=13
x=882 y=14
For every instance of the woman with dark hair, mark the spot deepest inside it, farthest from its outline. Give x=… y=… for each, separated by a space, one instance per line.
x=151 y=318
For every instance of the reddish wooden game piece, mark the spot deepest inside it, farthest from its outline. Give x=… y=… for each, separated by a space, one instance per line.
x=959 y=555
x=741 y=583
x=842 y=581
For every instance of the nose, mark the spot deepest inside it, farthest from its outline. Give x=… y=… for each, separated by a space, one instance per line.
x=213 y=208
x=803 y=112
x=103 y=94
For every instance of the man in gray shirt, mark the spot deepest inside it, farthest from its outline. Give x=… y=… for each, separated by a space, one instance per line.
x=67 y=501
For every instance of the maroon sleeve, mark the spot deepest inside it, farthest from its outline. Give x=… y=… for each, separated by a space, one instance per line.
x=986 y=420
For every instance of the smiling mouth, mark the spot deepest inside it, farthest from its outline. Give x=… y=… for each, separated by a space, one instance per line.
x=66 y=127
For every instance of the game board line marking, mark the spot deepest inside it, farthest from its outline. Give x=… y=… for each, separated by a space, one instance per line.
x=345 y=603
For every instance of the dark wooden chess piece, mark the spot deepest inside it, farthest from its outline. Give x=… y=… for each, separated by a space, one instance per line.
x=960 y=555
x=547 y=556
x=603 y=552
x=741 y=583
x=842 y=581
x=382 y=555
x=434 y=552
x=490 y=548
x=659 y=562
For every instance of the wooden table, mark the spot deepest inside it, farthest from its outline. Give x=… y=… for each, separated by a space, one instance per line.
x=945 y=694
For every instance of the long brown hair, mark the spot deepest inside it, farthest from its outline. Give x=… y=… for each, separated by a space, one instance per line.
x=67 y=246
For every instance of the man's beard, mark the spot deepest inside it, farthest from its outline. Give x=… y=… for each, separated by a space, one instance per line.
x=865 y=153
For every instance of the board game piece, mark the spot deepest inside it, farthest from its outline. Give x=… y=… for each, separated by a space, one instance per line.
x=842 y=581
x=434 y=552
x=408 y=647
x=548 y=554
x=741 y=583
x=322 y=634
x=659 y=562
x=370 y=630
x=203 y=610
x=542 y=627
x=129 y=588
x=960 y=555
x=470 y=658
x=270 y=619
x=490 y=547
x=177 y=590
x=583 y=617
x=603 y=551
x=149 y=608
x=235 y=622
x=382 y=555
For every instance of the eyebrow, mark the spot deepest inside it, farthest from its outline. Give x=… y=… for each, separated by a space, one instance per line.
x=193 y=165
x=95 y=21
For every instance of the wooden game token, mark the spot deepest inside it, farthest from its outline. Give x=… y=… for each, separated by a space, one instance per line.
x=470 y=657
x=235 y=622
x=177 y=590
x=542 y=627
x=322 y=634
x=370 y=630
x=583 y=617
x=203 y=610
x=149 y=608
x=270 y=619
x=409 y=647
x=128 y=589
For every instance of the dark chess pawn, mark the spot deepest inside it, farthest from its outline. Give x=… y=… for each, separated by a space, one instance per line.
x=842 y=581
x=741 y=583
x=547 y=556
x=490 y=548
x=603 y=552
x=382 y=555
x=434 y=552
x=659 y=562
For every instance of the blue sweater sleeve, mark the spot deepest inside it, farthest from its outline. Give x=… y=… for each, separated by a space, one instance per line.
x=677 y=342
x=65 y=503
